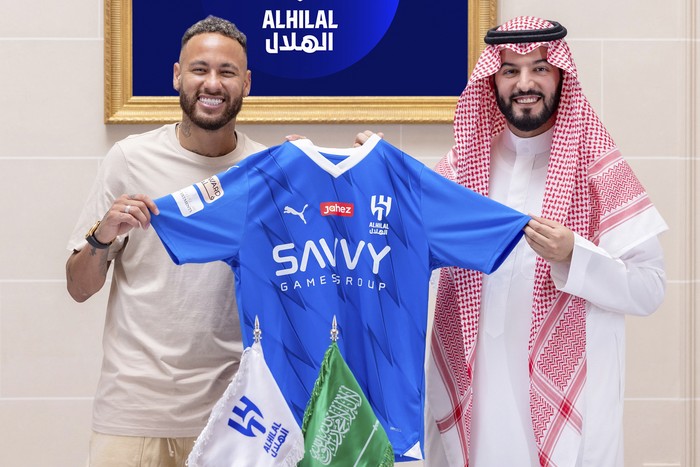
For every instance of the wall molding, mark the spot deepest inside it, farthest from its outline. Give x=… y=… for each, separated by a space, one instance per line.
x=692 y=324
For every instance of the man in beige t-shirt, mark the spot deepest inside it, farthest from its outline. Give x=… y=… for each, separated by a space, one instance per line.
x=171 y=339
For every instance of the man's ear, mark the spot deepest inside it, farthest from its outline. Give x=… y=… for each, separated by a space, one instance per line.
x=176 y=76
x=248 y=83
x=492 y=85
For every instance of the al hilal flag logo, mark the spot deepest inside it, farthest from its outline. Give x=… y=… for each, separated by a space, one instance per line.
x=340 y=428
x=251 y=425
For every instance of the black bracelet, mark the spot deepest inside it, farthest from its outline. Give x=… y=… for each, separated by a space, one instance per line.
x=90 y=238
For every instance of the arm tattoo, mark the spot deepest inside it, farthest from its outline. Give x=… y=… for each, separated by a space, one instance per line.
x=104 y=264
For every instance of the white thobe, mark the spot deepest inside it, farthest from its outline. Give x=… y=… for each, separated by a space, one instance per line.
x=633 y=283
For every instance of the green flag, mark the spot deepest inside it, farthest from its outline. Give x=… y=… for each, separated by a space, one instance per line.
x=340 y=428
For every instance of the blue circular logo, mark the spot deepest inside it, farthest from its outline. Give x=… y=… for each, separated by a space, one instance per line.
x=307 y=38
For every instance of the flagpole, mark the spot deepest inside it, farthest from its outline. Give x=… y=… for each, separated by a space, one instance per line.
x=257 y=332
x=334 y=330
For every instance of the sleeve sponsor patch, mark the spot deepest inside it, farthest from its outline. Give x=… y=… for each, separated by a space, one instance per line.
x=211 y=189
x=188 y=201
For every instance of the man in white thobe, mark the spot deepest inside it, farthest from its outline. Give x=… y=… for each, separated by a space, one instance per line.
x=528 y=363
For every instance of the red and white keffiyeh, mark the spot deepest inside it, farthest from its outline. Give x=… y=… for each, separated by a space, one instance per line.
x=591 y=190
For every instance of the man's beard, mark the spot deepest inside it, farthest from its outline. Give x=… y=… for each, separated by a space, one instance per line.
x=189 y=107
x=528 y=121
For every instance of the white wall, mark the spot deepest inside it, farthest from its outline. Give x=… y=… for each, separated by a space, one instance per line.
x=638 y=62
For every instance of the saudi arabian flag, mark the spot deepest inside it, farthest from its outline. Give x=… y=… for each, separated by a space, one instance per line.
x=340 y=428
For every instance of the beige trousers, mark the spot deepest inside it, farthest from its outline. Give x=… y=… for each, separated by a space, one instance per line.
x=134 y=451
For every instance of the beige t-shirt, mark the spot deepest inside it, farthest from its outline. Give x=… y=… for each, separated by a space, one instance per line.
x=172 y=340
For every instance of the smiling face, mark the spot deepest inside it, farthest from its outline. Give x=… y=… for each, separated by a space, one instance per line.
x=527 y=91
x=212 y=78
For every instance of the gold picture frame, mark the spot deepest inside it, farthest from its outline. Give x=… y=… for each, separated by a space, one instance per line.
x=121 y=106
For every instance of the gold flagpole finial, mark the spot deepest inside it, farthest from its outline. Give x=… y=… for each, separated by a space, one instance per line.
x=334 y=330
x=257 y=333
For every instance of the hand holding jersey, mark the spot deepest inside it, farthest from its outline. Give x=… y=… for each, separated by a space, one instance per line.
x=551 y=240
x=127 y=212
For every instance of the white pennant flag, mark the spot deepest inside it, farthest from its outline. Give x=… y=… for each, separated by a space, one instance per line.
x=251 y=425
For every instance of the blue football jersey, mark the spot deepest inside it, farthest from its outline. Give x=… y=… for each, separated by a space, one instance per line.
x=312 y=233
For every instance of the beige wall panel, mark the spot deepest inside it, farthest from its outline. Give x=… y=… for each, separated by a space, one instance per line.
x=693 y=438
x=696 y=85
x=666 y=182
x=693 y=352
x=50 y=345
x=655 y=349
x=645 y=107
x=428 y=143
x=694 y=311
x=45 y=433
x=110 y=134
x=334 y=135
x=606 y=19
x=55 y=105
x=47 y=197
x=655 y=433
x=588 y=58
x=46 y=19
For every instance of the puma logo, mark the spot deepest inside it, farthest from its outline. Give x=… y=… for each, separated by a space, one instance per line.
x=300 y=215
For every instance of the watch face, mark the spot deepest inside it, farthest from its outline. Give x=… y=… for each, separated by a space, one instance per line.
x=90 y=237
x=93 y=229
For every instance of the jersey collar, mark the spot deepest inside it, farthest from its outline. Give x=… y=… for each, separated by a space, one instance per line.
x=353 y=156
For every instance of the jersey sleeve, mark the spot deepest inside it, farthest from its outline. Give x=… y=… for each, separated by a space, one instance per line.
x=205 y=221
x=467 y=229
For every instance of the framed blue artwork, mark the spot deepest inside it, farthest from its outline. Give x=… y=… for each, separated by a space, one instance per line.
x=312 y=61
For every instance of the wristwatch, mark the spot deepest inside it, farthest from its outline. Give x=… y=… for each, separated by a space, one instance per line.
x=90 y=237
